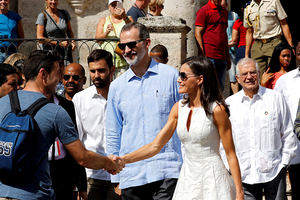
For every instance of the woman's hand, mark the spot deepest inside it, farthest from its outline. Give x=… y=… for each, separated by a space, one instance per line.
x=109 y=28
x=266 y=77
x=73 y=44
x=64 y=43
x=239 y=195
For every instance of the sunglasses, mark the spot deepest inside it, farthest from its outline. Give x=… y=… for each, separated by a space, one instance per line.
x=183 y=76
x=74 y=77
x=130 y=45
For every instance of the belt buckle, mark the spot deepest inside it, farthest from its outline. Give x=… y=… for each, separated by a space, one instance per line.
x=264 y=41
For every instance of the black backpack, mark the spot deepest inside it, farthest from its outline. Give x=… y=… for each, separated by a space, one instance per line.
x=18 y=139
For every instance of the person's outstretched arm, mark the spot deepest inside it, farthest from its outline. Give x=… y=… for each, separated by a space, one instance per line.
x=157 y=144
x=223 y=125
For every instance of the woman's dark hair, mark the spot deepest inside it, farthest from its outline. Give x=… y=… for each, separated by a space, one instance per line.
x=274 y=62
x=210 y=88
x=39 y=59
x=99 y=54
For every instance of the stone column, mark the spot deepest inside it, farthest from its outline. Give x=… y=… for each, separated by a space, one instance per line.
x=170 y=32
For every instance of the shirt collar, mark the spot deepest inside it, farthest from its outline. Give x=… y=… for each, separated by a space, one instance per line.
x=95 y=93
x=213 y=6
x=153 y=68
x=297 y=72
x=259 y=94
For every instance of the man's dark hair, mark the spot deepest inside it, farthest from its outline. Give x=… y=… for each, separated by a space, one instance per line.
x=161 y=50
x=5 y=70
x=99 y=54
x=39 y=59
x=143 y=31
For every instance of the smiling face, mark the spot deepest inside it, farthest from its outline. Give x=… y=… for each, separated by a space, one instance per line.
x=188 y=82
x=51 y=4
x=52 y=78
x=4 y=5
x=285 y=58
x=135 y=54
x=248 y=77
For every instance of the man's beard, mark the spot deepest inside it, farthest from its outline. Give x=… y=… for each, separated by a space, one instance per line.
x=101 y=83
x=136 y=59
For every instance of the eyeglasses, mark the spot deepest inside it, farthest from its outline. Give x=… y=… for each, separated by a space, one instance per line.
x=74 y=77
x=252 y=74
x=183 y=76
x=130 y=45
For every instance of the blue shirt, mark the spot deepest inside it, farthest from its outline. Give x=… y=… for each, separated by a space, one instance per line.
x=8 y=26
x=135 y=13
x=53 y=122
x=137 y=109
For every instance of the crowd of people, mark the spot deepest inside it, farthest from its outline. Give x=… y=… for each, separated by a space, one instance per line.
x=145 y=130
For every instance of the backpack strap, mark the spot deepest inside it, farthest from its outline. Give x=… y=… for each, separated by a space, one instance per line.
x=38 y=104
x=14 y=102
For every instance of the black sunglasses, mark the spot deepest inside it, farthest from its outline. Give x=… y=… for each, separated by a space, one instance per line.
x=130 y=45
x=183 y=76
x=74 y=77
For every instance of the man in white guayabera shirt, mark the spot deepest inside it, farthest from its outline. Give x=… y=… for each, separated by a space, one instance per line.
x=288 y=85
x=263 y=134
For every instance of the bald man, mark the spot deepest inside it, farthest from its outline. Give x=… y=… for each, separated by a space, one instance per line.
x=73 y=79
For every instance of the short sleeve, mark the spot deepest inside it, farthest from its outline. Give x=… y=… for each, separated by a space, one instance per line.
x=67 y=15
x=236 y=25
x=17 y=17
x=40 y=19
x=65 y=127
x=200 y=19
x=280 y=11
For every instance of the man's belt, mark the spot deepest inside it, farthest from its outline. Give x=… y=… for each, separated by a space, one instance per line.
x=264 y=41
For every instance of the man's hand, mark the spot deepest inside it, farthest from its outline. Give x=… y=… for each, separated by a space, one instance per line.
x=117 y=164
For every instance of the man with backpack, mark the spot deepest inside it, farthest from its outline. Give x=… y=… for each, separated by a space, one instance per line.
x=47 y=121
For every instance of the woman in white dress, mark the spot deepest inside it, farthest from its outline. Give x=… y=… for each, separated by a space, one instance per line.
x=201 y=119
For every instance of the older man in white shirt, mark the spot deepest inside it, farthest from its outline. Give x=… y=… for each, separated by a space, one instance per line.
x=263 y=134
x=288 y=85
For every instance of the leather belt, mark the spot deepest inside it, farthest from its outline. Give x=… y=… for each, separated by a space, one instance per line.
x=264 y=41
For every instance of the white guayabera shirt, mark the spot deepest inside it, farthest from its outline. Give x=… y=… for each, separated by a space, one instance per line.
x=288 y=85
x=263 y=134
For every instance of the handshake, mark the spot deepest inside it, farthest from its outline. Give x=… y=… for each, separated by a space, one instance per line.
x=115 y=164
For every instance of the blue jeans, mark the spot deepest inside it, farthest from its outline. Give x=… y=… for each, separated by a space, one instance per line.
x=220 y=66
x=240 y=53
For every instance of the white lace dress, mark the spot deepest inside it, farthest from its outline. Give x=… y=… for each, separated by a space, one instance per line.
x=203 y=175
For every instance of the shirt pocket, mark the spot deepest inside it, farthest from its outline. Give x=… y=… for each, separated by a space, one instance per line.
x=270 y=137
x=270 y=16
